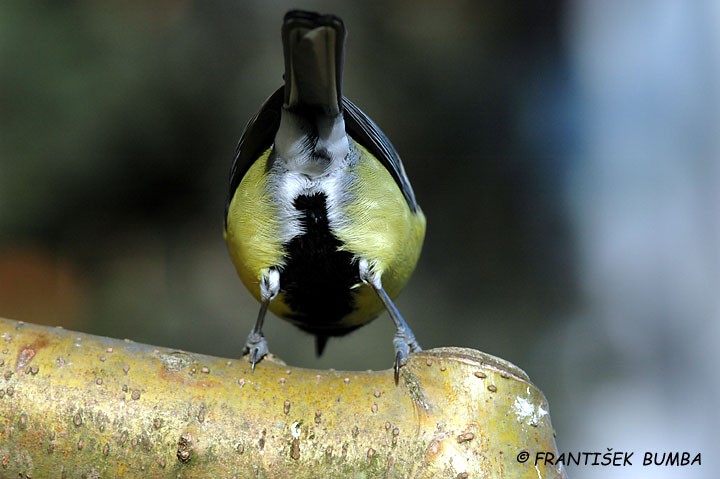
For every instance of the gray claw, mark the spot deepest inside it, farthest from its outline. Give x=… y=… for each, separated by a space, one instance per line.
x=256 y=345
x=397 y=367
x=404 y=343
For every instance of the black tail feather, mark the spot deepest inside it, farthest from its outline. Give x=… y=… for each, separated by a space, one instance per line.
x=320 y=343
x=314 y=47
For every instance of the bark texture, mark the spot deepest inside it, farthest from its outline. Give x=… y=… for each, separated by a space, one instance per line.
x=74 y=405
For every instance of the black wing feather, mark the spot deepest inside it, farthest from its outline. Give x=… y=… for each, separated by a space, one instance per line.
x=363 y=130
x=258 y=136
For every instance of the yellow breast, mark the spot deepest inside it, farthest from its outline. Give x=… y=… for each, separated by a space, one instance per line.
x=375 y=224
x=383 y=230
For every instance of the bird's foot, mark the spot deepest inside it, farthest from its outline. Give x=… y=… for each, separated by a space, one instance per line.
x=257 y=347
x=405 y=343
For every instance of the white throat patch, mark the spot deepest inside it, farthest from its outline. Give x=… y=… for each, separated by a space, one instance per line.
x=306 y=160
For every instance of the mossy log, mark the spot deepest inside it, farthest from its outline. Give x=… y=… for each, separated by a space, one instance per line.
x=74 y=405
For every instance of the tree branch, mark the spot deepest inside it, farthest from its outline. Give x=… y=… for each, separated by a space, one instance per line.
x=76 y=405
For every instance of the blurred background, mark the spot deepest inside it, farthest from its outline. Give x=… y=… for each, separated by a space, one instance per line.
x=565 y=154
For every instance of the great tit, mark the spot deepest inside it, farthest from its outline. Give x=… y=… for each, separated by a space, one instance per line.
x=321 y=221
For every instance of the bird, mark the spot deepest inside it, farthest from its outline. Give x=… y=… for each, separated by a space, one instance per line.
x=321 y=221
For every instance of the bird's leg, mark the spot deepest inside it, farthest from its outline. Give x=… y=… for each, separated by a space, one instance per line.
x=256 y=345
x=404 y=340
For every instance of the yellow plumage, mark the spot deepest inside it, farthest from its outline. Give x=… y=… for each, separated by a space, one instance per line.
x=252 y=232
x=384 y=230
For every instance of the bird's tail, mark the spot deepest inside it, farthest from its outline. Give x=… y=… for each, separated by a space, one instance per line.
x=314 y=47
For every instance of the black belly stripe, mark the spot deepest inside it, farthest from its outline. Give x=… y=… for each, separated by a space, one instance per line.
x=317 y=277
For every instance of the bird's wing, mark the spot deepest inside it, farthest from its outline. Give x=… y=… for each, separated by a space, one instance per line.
x=363 y=130
x=258 y=136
